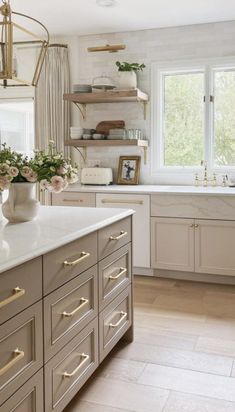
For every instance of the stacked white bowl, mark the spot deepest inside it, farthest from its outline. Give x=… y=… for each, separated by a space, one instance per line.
x=76 y=132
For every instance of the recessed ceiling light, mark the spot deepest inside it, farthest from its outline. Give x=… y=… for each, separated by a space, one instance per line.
x=106 y=3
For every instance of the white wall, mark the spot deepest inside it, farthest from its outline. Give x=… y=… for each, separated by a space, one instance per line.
x=147 y=46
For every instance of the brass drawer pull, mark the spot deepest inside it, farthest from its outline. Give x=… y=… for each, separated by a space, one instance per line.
x=17 y=356
x=122 y=271
x=17 y=293
x=115 y=325
x=73 y=200
x=122 y=234
x=85 y=358
x=84 y=255
x=134 y=202
x=83 y=303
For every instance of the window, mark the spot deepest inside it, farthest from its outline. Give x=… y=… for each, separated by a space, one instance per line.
x=17 y=124
x=194 y=117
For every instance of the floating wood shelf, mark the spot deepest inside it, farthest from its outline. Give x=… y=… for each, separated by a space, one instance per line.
x=114 y=142
x=99 y=143
x=110 y=96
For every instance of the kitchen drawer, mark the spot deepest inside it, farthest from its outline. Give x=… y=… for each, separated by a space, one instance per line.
x=21 y=349
x=19 y=288
x=113 y=237
x=29 y=398
x=69 y=309
x=114 y=321
x=68 y=261
x=73 y=199
x=114 y=275
x=67 y=371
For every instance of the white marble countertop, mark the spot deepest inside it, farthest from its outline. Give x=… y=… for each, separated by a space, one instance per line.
x=154 y=189
x=53 y=227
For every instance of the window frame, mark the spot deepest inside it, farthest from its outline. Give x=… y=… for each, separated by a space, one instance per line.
x=158 y=71
x=18 y=94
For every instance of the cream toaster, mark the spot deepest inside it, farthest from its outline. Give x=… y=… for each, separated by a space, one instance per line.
x=96 y=176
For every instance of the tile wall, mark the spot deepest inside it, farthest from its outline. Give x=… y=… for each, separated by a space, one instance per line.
x=145 y=46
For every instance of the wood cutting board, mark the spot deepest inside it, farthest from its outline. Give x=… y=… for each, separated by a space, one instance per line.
x=105 y=126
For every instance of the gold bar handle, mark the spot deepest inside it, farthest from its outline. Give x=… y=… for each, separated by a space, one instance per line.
x=122 y=234
x=122 y=271
x=84 y=255
x=70 y=314
x=72 y=200
x=122 y=201
x=17 y=293
x=85 y=358
x=115 y=325
x=17 y=356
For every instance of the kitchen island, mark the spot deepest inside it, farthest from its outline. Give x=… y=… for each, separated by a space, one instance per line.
x=65 y=301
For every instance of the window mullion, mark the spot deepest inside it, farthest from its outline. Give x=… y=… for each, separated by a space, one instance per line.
x=207 y=117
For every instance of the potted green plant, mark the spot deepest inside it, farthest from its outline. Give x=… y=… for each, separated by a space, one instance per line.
x=127 y=74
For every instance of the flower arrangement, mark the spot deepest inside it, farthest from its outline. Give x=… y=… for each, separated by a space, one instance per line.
x=51 y=170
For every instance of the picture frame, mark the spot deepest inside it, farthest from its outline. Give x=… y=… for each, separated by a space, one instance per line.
x=128 y=170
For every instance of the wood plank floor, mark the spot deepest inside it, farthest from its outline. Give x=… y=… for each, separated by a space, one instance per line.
x=182 y=358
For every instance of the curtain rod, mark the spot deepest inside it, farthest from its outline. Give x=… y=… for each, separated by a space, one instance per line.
x=58 y=45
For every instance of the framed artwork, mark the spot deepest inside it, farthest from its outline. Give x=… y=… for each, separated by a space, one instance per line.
x=128 y=170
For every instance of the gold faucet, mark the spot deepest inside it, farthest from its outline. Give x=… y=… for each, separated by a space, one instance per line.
x=205 y=180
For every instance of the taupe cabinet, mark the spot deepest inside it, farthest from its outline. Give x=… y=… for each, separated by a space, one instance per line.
x=60 y=316
x=187 y=244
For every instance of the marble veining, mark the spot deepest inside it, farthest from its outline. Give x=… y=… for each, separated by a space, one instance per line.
x=54 y=227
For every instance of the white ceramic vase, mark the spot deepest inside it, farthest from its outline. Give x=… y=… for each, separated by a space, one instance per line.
x=127 y=80
x=21 y=205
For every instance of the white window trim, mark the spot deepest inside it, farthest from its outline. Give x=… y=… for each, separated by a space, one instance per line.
x=182 y=174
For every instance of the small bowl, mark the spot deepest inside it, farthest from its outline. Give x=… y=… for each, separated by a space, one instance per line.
x=86 y=136
x=97 y=136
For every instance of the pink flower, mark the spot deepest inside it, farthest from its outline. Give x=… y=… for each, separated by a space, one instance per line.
x=61 y=170
x=32 y=177
x=57 y=184
x=5 y=182
x=25 y=172
x=13 y=171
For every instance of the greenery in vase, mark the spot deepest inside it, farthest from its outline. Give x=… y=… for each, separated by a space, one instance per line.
x=129 y=67
x=51 y=170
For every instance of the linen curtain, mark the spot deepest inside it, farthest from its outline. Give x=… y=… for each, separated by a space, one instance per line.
x=52 y=116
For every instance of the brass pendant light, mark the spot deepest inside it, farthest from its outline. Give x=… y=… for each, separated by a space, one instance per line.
x=21 y=51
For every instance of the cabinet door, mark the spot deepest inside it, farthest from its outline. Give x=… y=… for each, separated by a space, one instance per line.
x=214 y=247
x=172 y=244
x=141 y=222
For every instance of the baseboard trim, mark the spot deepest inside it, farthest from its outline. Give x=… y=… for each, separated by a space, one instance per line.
x=195 y=277
x=143 y=271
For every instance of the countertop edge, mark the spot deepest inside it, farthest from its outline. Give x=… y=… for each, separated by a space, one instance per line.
x=151 y=190
x=64 y=239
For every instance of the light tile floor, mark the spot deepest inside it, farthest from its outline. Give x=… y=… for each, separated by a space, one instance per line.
x=182 y=358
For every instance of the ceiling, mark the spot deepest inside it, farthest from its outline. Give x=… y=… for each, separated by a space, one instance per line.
x=82 y=17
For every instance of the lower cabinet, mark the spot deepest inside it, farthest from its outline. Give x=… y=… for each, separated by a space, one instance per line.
x=193 y=245
x=21 y=349
x=172 y=244
x=141 y=221
x=66 y=372
x=114 y=321
x=214 y=247
x=29 y=398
